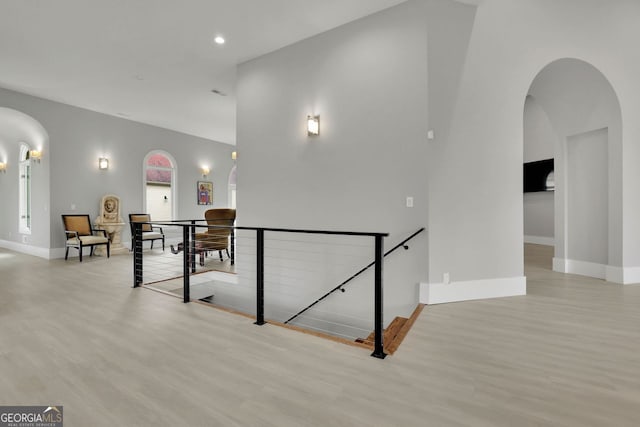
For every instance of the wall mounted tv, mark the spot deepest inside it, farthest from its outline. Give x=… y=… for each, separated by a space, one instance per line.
x=538 y=176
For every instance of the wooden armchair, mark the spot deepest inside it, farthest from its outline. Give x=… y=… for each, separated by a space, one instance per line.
x=81 y=234
x=149 y=232
x=217 y=239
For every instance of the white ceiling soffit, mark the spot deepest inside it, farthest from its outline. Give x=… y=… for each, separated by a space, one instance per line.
x=154 y=61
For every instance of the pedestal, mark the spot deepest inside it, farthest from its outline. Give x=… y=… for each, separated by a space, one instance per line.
x=114 y=233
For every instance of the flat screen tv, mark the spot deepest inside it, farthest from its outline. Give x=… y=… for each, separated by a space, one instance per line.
x=538 y=176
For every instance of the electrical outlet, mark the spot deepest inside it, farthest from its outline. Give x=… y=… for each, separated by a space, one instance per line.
x=446 y=279
x=409 y=202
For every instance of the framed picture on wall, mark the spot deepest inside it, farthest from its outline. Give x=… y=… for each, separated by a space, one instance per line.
x=205 y=192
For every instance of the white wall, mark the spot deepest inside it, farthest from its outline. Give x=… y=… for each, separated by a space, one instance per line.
x=588 y=197
x=368 y=82
x=539 y=135
x=539 y=218
x=474 y=165
x=510 y=44
x=539 y=143
x=79 y=137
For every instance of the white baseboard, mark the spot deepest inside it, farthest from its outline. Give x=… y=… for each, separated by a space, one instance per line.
x=26 y=249
x=610 y=273
x=53 y=253
x=558 y=264
x=439 y=293
x=540 y=240
x=582 y=268
x=630 y=275
x=58 y=253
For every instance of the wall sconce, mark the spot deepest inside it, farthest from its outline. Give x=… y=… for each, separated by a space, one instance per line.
x=35 y=155
x=3 y=167
x=205 y=171
x=234 y=155
x=103 y=163
x=313 y=125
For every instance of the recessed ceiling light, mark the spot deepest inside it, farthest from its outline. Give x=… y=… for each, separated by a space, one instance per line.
x=219 y=40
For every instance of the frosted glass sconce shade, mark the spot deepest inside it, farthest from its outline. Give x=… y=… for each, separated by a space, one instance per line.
x=35 y=155
x=313 y=125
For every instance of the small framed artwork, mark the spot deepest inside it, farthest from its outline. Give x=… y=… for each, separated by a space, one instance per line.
x=205 y=192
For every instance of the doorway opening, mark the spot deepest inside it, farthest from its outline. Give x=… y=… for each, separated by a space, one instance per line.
x=159 y=186
x=572 y=117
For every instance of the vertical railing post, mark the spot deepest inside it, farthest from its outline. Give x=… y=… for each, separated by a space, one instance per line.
x=378 y=350
x=260 y=277
x=137 y=254
x=192 y=247
x=233 y=245
x=186 y=259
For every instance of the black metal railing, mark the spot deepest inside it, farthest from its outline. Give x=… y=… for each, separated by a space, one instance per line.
x=189 y=264
x=341 y=286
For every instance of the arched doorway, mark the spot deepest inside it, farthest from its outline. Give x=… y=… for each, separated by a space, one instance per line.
x=572 y=115
x=160 y=186
x=25 y=184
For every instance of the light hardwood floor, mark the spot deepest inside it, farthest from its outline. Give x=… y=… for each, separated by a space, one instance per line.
x=77 y=335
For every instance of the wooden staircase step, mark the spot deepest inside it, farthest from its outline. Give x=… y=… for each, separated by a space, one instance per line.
x=394 y=328
x=394 y=333
x=389 y=333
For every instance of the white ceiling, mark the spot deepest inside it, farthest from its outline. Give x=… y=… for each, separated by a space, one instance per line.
x=154 y=61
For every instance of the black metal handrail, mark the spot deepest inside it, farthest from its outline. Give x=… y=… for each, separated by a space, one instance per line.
x=189 y=227
x=340 y=287
x=203 y=224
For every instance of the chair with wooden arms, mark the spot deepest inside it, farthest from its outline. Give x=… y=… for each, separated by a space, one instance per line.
x=217 y=238
x=81 y=234
x=149 y=232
